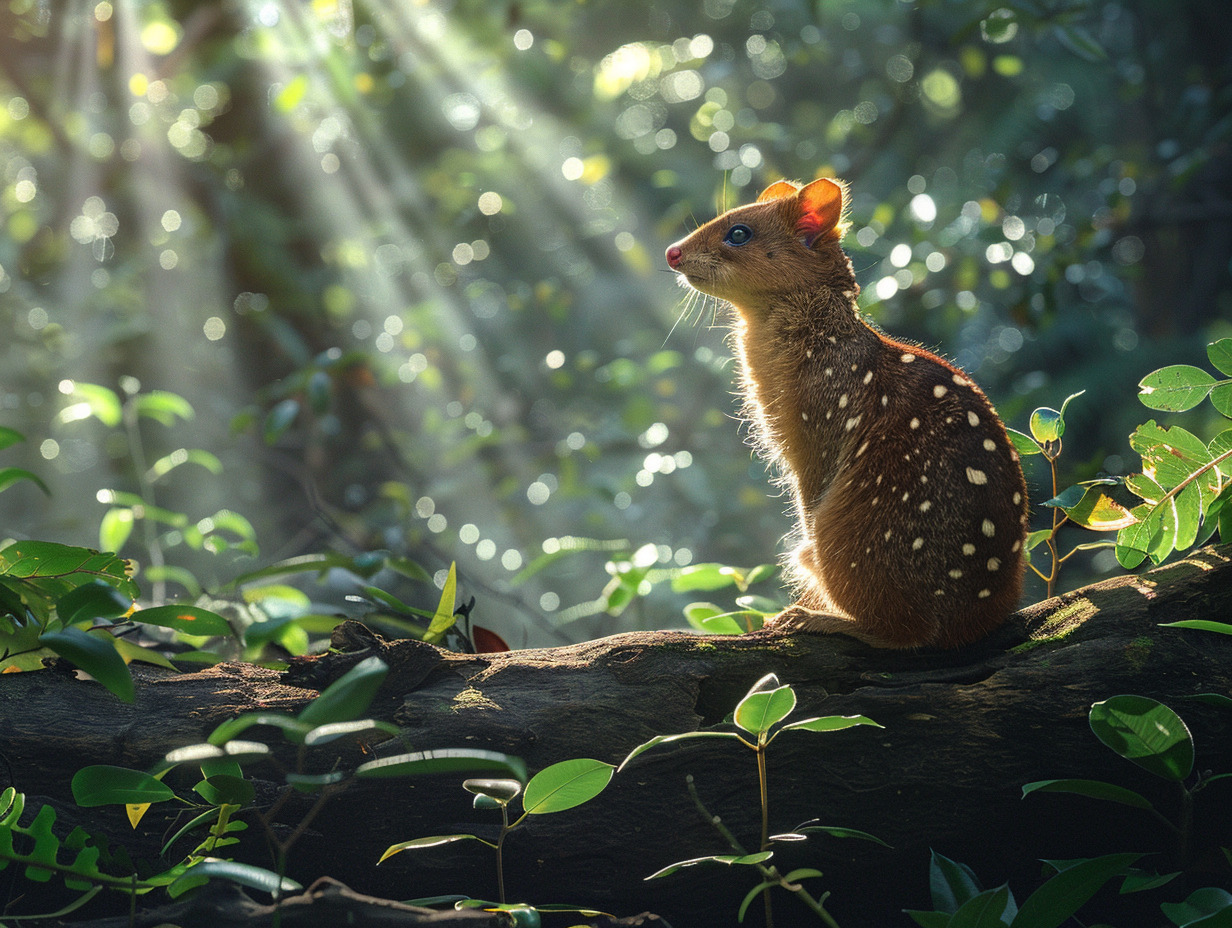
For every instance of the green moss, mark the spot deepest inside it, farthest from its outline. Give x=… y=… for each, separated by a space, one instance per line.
x=471 y=698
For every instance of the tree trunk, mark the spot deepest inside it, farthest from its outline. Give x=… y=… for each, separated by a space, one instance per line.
x=962 y=732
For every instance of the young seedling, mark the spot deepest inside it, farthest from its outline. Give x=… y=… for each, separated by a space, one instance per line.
x=1149 y=734
x=759 y=720
x=561 y=786
x=1185 y=484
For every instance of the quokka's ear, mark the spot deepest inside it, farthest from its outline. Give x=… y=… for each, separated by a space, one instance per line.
x=777 y=191
x=822 y=205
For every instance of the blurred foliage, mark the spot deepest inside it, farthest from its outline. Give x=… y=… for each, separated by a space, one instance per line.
x=402 y=260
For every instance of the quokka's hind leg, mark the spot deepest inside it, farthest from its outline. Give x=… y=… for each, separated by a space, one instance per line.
x=801 y=618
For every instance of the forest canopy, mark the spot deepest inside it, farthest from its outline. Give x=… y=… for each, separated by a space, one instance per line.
x=385 y=279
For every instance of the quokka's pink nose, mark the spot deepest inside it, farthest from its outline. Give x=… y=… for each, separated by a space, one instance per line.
x=673 y=256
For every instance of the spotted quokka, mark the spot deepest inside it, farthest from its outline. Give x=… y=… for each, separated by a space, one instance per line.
x=909 y=498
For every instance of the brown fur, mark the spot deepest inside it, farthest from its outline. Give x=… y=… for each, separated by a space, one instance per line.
x=910 y=502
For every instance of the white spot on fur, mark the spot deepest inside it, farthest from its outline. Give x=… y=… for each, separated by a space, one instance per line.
x=994 y=563
x=961 y=380
x=851 y=423
x=914 y=423
x=988 y=528
x=926 y=505
x=808 y=352
x=804 y=416
x=842 y=401
x=973 y=418
x=984 y=594
x=863 y=448
x=1015 y=547
x=885 y=400
x=938 y=592
x=917 y=544
x=905 y=496
x=829 y=371
x=1013 y=455
x=939 y=391
x=924 y=477
x=888 y=533
x=868 y=377
x=990 y=445
x=968 y=549
x=977 y=477
x=1017 y=498
x=955 y=573
x=907 y=358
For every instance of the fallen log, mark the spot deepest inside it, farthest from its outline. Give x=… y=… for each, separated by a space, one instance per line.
x=962 y=732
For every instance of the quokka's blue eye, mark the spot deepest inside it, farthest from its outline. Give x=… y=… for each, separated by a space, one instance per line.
x=738 y=234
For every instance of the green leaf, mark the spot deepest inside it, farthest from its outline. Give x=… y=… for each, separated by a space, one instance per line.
x=1069 y=497
x=163 y=407
x=831 y=723
x=1175 y=388
x=114 y=528
x=993 y=908
x=103 y=784
x=1209 y=907
x=170 y=462
x=1095 y=789
x=502 y=791
x=1047 y=424
x=1221 y=398
x=96 y=656
x=224 y=789
x=1024 y=444
x=566 y=784
x=724 y=859
x=1146 y=732
x=280 y=419
x=443 y=619
x=416 y=843
x=314 y=782
x=442 y=761
x=668 y=739
x=93 y=400
x=760 y=710
x=837 y=831
x=1034 y=539
x=1206 y=625
x=11 y=475
x=292 y=728
x=201 y=754
x=243 y=874
x=1096 y=510
x=58 y=568
x=951 y=884
x=347 y=697
x=1064 y=894
x=95 y=599
x=190 y=620
x=10 y=437
x=323 y=734
x=707 y=578
x=1220 y=354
